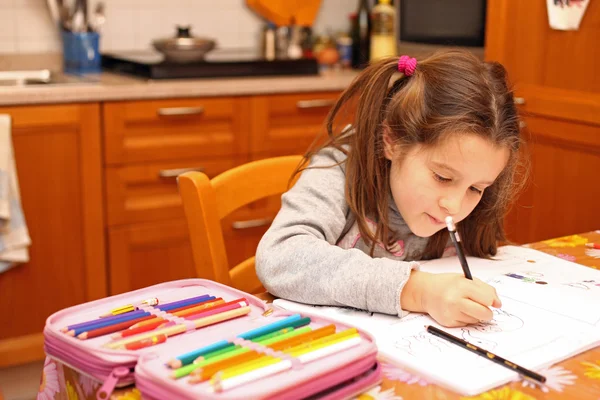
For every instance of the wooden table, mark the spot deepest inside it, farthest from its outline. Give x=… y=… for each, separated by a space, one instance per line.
x=575 y=378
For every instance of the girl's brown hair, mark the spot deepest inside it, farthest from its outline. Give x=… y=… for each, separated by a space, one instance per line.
x=450 y=92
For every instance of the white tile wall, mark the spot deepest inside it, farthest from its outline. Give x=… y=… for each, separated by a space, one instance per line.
x=26 y=26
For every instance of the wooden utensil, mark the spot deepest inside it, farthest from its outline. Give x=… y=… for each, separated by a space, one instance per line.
x=282 y=12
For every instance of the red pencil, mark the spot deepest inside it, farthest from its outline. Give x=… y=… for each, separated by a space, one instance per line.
x=111 y=328
x=593 y=245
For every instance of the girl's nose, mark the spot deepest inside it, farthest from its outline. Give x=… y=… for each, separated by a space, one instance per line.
x=451 y=204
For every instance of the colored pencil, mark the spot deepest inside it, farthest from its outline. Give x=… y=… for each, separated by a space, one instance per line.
x=200 y=362
x=164 y=307
x=140 y=344
x=253 y=364
x=220 y=385
x=182 y=328
x=291 y=321
x=210 y=369
x=593 y=245
x=186 y=310
x=102 y=323
x=130 y=307
x=161 y=321
x=110 y=329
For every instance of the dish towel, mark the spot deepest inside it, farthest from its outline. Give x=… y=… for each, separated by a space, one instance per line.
x=14 y=236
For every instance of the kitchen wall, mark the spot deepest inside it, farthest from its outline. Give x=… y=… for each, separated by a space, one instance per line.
x=26 y=27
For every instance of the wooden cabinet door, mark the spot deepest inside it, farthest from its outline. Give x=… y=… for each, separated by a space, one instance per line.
x=58 y=159
x=562 y=196
x=518 y=35
x=286 y=124
x=146 y=254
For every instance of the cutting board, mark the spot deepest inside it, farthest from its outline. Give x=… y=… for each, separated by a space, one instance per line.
x=281 y=12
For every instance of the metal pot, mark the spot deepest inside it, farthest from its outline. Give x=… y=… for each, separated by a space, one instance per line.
x=184 y=48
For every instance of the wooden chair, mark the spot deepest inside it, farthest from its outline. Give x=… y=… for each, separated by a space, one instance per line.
x=207 y=201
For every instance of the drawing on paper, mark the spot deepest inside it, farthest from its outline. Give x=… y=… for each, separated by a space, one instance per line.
x=528 y=277
x=585 y=285
x=422 y=341
x=478 y=341
x=477 y=334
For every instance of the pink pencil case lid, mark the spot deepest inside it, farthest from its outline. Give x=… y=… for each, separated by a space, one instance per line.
x=90 y=357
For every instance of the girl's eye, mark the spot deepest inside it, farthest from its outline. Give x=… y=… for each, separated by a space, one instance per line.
x=474 y=189
x=440 y=178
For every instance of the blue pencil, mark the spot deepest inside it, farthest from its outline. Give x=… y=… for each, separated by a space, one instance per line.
x=102 y=324
x=141 y=313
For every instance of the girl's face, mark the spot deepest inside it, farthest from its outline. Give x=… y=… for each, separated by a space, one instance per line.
x=430 y=183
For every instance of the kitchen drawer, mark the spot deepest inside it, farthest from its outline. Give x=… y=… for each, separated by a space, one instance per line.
x=148 y=192
x=148 y=253
x=136 y=131
x=288 y=124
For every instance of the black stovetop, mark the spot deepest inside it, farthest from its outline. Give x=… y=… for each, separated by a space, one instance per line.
x=217 y=63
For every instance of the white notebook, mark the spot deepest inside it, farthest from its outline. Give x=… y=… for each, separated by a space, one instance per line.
x=550 y=312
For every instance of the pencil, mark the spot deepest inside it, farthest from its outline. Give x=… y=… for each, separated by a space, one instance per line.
x=593 y=246
x=182 y=328
x=227 y=383
x=458 y=245
x=130 y=307
x=222 y=384
x=200 y=362
x=486 y=354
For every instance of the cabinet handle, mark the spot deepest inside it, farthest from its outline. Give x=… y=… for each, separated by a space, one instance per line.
x=174 y=173
x=519 y=101
x=178 y=111
x=251 y=223
x=319 y=103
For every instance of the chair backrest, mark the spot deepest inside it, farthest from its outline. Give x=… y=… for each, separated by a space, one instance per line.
x=207 y=201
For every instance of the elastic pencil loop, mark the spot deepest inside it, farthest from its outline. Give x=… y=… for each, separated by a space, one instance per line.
x=259 y=348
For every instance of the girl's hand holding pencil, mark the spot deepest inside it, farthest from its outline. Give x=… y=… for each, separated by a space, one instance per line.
x=449 y=298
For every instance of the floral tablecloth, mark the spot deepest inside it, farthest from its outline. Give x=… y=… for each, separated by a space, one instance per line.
x=575 y=378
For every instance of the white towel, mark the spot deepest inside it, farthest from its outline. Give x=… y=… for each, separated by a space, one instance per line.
x=14 y=236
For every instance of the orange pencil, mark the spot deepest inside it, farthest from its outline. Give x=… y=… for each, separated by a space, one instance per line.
x=140 y=344
x=203 y=374
x=304 y=338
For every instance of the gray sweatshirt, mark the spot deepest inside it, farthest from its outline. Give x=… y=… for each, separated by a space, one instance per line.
x=313 y=252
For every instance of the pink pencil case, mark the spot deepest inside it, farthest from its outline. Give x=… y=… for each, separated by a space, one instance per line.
x=336 y=376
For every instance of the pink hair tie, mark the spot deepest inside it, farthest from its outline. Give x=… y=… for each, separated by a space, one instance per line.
x=407 y=65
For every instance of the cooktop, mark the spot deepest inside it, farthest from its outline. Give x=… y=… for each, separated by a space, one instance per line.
x=217 y=63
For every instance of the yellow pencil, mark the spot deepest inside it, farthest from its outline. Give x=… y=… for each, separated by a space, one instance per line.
x=181 y=328
x=129 y=308
x=293 y=351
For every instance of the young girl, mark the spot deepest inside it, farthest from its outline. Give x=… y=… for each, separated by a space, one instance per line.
x=442 y=140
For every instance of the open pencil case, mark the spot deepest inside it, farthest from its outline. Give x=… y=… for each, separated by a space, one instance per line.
x=350 y=370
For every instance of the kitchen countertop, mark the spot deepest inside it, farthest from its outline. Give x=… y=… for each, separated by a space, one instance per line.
x=113 y=87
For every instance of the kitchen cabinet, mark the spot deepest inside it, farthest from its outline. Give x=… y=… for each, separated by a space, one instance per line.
x=558 y=91
x=57 y=153
x=99 y=192
x=148 y=143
